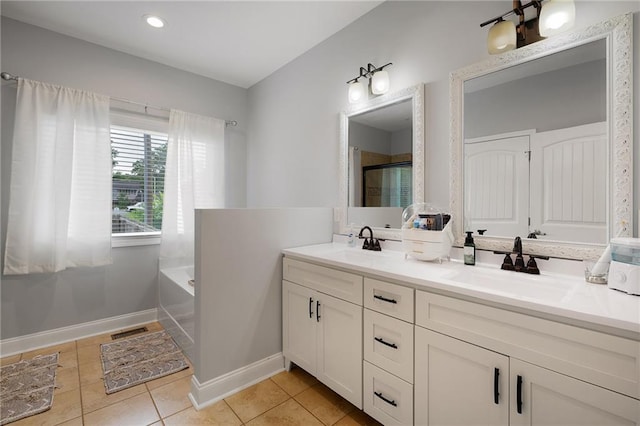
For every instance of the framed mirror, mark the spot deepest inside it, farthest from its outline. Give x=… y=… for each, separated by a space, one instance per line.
x=541 y=144
x=381 y=161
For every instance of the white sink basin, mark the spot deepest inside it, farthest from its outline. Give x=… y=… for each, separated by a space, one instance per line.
x=514 y=284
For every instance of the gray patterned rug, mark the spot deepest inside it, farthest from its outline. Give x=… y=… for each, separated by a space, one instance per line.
x=129 y=362
x=26 y=387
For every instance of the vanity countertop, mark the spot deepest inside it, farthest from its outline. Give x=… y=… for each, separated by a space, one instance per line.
x=559 y=297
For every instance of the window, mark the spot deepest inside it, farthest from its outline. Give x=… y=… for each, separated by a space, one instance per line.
x=138 y=164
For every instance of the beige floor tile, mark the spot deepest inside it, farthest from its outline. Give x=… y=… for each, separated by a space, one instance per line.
x=172 y=397
x=217 y=414
x=67 y=379
x=256 y=399
x=66 y=353
x=154 y=326
x=153 y=384
x=289 y=413
x=295 y=381
x=90 y=373
x=88 y=354
x=95 y=340
x=94 y=396
x=357 y=418
x=66 y=406
x=138 y=410
x=324 y=403
x=73 y=422
x=10 y=359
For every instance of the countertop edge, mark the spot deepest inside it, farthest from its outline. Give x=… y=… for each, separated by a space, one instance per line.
x=625 y=329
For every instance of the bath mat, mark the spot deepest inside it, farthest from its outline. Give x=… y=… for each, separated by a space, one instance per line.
x=26 y=387
x=134 y=360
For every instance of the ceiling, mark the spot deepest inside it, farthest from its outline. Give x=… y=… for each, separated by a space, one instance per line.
x=238 y=42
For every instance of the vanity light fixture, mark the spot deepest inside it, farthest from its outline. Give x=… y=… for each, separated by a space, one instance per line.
x=557 y=16
x=378 y=82
x=502 y=37
x=551 y=17
x=154 y=21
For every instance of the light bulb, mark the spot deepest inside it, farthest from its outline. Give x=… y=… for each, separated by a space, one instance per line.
x=501 y=37
x=356 y=92
x=380 y=82
x=556 y=16
x=154 y=21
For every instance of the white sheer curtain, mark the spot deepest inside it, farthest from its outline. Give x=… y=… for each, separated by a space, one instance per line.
x=60 y=191
x=194 y=179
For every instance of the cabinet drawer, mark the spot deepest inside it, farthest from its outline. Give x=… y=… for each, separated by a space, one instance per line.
x=609 y=361
x=388 y=343
x=342 y=285
x=391 y=299
x=387 y=398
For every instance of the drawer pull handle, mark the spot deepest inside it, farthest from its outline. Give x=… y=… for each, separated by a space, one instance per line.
x=317 y=311
x=496 y=394
x=310 y=304
x=384 y=299
x=381 y=340
x=388 y=401
x=519 y=394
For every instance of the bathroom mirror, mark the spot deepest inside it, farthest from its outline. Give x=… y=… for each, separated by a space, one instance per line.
x=541 y=144
x=381 y=161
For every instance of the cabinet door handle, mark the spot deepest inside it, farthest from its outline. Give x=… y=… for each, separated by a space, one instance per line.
x=388 y=401
x=310 y=304
x=381 y=340
x=519 y=394
x=496 y=393
x=317 y=311
x=384 y=299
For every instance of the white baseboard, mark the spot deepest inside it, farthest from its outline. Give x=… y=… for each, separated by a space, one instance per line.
x=43 y=339
x=214 y=390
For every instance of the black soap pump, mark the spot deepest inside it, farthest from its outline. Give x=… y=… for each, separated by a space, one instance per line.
x=469 y=250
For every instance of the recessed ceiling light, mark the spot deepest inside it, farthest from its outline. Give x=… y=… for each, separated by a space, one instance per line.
x=154 y=21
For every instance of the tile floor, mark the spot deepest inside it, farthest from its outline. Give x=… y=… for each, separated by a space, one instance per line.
x=288 y=398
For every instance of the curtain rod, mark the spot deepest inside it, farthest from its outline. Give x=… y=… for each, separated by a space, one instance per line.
x=10 y=77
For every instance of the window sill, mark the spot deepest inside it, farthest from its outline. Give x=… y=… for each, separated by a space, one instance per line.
x=135 y=239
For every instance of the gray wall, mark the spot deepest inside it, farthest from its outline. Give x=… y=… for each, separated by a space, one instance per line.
x=368 y=138
x=36 y=303
x=294 y=112
x=555 y=100
x=239 y=282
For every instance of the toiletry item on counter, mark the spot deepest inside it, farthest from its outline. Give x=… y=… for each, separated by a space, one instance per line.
x=351 y=239
x=597 y=273
x=426 y=232
x=469 y=250
x=624 y=272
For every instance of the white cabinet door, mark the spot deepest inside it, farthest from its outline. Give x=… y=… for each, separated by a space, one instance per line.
x=550 y=398
x=339 y=331
x=457 y=383
x=299 y=325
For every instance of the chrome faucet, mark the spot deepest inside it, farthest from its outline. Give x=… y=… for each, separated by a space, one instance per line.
x=369 y=243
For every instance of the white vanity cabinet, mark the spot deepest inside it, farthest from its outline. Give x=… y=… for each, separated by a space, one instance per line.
x=322 y=325
x=458 y=383
x=483 y=365
x=388 y=352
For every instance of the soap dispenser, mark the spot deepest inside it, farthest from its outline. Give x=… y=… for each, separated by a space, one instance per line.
x=469 y=250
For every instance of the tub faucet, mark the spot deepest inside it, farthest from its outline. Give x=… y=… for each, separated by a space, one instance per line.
x=369 y=243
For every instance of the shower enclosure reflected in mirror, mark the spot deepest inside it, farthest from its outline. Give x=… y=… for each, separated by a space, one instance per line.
x=541 y=143
x=382 y=161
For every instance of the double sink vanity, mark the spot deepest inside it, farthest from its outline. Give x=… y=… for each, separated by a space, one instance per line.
x=413 y=342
